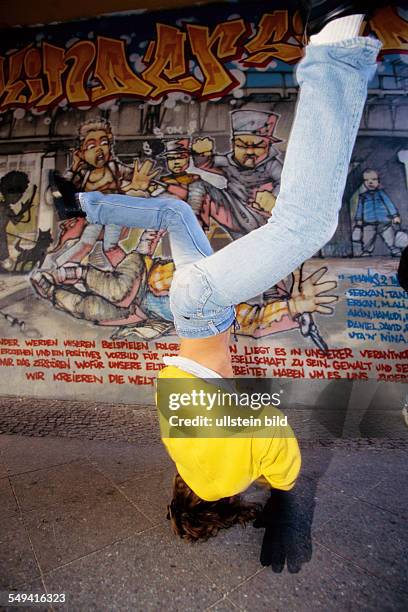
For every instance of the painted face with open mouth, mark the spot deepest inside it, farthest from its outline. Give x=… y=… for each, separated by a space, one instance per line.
x=96 y=148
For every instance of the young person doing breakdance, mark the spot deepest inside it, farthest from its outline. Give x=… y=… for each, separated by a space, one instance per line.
x=333 y=78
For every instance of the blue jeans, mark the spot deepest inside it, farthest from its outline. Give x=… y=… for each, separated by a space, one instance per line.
x=333 y=88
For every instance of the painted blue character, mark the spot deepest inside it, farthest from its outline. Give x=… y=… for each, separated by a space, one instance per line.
x=376 y=215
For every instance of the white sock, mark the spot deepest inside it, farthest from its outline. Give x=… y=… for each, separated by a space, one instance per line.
x=338 y=29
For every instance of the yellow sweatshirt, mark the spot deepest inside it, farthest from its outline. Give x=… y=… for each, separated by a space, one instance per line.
x=220 y=467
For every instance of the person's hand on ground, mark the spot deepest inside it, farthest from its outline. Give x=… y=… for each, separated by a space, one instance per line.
x=282 y=543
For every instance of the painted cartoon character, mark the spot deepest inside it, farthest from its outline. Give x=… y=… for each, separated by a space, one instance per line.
x=376 y=216
x=177 y=157
x=135 y=297
x=94 y=168
x=183 y=179
x=12 y=187
x=252 y=169
x=129 y=295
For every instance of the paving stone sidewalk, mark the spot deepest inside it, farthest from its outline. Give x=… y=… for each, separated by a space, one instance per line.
x=87 y=518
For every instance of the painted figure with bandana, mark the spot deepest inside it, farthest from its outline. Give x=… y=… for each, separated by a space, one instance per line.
x=252 y=170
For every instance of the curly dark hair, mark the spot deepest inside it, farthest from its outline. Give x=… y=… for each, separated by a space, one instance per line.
x=193 y=518
x=14 y=182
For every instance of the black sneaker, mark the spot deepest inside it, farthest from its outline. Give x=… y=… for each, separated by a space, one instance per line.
x=65 y=197
x=317 y=13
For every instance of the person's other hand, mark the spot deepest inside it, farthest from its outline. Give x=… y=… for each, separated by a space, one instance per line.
x=282 y=543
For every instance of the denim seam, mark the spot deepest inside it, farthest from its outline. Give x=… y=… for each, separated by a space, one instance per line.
x=206 y=296
x=355 y=116
x=178 y=213
x=200 y=302
x=218 y=289
x=203 y=299
x=158 y=209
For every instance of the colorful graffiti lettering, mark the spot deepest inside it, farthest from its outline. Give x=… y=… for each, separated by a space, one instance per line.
x=40 y=77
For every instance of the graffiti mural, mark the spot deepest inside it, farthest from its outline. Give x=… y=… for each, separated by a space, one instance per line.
x=198 y=104
x=17 y=199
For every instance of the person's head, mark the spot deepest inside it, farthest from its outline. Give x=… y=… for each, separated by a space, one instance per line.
x=193 y=518
x=178 y=163
x=13 y=185
x=371 y=179
x=95 y=142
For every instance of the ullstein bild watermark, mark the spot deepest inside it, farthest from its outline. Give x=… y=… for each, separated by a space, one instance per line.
x=309 y=409
x=228 y=421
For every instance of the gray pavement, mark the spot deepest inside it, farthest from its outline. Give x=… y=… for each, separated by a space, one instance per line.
x=33 y=416
x=87 y=518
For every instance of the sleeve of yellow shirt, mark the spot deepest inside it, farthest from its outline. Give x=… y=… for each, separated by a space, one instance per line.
x=281 y=463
